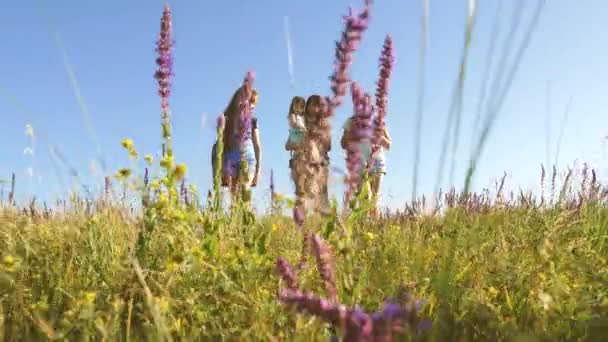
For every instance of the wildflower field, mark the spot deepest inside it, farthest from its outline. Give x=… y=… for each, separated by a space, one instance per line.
x=491 y=266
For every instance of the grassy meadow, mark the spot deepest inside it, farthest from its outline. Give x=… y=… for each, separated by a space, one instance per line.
x=492 y=266
x=488 y=269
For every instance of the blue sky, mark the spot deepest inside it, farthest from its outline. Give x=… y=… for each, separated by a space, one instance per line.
x=110 y=45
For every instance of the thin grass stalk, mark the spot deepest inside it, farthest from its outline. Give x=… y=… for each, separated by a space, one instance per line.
x=562 y=129
x=421 y=94
x=486 y=73
x=456 y=103
x=494 y=111
x=461 y=80
x=219 y=157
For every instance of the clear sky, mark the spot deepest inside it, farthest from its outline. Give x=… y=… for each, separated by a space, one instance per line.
x=110 y=45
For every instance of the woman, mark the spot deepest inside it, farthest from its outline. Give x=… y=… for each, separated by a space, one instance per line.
x=319 y=137
x=242 y=154
x=377 y=163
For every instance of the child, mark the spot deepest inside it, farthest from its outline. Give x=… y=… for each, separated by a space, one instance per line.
x=297 y=126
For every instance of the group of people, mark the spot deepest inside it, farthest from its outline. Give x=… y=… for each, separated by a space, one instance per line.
x=308 y=142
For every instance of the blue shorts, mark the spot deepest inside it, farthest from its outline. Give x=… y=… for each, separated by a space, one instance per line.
x=232 y=162
x=378 y=166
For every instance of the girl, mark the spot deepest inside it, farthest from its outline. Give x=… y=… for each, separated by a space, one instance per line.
x=297 y=126
x=239 y=153
x=377 y=163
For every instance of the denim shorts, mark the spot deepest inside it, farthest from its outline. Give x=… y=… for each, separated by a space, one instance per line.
x=232 y=162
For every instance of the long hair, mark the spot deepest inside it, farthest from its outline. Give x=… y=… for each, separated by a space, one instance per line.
x=232 y=114
x=312 y=100
x=294 y=101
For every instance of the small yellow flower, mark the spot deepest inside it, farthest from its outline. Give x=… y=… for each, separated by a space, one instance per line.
x=154 y=184
x=133 y=153
x=492 y=291
x=123 y=173
x=170 y=266
x=8 y=260
x=163 y=304
x=89 y=297
x=180 y=171
x=167 y=162
x=149 y=159
x=93 y=220
x=127 y=144
x=274 y=227
x=370 y=236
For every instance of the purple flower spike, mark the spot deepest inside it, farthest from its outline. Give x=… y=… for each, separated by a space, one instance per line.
x=287 y=273
x=325 y=265
x=307 y=302
x=355 y=25
x=298 y=215
x=164 y=45
x=245 y=107
x=360 y=137
x=387 y=61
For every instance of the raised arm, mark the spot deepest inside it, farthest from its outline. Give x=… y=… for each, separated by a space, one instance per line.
x=386 y=140
x=257 y=149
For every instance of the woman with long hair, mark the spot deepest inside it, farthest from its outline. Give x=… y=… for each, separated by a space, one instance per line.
x=241 y=142
x=376 y=164
x=318 y=138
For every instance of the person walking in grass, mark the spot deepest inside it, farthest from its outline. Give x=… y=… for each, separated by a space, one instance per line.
x=242 y=154
x=313 y=162
x=376 y=164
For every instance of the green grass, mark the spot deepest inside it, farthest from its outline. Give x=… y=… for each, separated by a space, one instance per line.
x=518 y=272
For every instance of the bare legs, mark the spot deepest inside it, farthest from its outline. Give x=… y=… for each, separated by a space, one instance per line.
x=375 y=184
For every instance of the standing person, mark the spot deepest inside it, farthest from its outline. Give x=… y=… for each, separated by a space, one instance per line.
x=241 y=158
x=319 y=140
x=377 y=163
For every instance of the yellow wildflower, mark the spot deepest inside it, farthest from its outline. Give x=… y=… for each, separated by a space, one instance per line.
x=127 y=144
x=8 y=260
x=89 y=297
x=163 y=304
x=180 y=171
x=167 y=162
x=149 y=159
x=274 y=227
x=154 y=184
x=123 y=173
x=370 y=236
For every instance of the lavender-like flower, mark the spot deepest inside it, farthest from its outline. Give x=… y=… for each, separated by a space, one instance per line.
x=163 y=74
x=287 y=274
x=164 y=61
x=351 y=37
x=360 y=132
x=387 y=61
x=325 y=265
x=354 y=323
x=298 y=215
x=245 y=107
